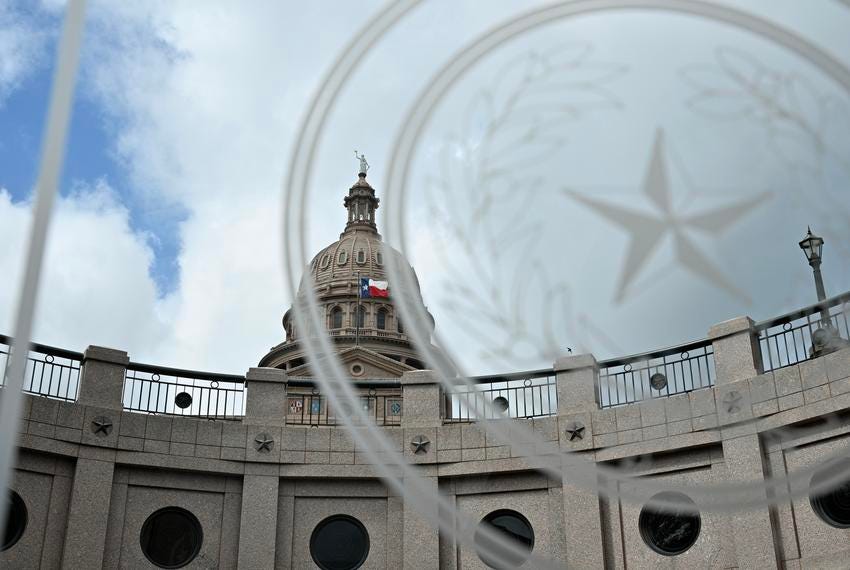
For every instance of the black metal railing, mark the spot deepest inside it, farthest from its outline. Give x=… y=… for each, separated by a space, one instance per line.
x=176 y=392
x=787 y=340
x=656 y=374
x=380 y=400
x=524 y=395
x=51 y=372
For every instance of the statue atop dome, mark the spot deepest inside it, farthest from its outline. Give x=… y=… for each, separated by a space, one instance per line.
x=364 y=166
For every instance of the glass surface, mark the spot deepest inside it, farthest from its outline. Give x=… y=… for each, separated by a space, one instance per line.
x=508 y=525
x=339 y=543
x=16 y=520
x=171 y=537
x=670 y=530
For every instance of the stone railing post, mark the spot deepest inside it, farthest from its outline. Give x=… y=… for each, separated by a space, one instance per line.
x=577 y=377
x=266 y=396
x=737 y=354
x=421 y=395
x=102 y=377
x=737 y=361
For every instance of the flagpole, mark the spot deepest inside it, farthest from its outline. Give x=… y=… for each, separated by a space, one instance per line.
x=357 y=314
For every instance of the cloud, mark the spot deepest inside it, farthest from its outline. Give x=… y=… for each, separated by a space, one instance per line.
x=95 y=286
x=22 y=45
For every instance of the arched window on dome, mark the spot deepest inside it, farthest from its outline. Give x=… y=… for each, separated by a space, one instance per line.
x=399 y=326
x=361 y=317
x=326 y=260
x=336 y=318
x=361 y=256
x=379 y=258
x=342 y=257
x=382 y=319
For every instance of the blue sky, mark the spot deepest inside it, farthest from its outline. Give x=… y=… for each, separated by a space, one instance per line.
x=90 y=153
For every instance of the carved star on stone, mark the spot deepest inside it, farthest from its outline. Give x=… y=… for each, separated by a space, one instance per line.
x=575 y=431
x=101 y=426
x=732 y=400
x=263 y=443
x=420 y=444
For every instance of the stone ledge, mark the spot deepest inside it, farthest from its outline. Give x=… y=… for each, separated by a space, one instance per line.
x=575 y=362
x=104 y=354
x=265 y=375
x=730 y=327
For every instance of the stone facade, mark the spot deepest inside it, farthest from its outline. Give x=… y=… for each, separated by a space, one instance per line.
x=88 y=494
x=91 y=473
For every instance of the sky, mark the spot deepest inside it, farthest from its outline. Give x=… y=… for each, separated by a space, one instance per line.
x=613 y=182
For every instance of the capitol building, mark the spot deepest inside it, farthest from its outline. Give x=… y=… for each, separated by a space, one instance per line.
x=129 y=465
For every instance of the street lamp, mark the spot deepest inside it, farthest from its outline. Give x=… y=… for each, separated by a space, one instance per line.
x=824 y=339
x=812 y=246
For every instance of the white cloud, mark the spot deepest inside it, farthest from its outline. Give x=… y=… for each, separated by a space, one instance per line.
x=21 y=49
x=95 y=286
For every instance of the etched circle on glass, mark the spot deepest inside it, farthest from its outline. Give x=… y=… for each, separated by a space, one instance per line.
x=670 y=529
x=510 y=526
x=339 y=542
x=171 y=537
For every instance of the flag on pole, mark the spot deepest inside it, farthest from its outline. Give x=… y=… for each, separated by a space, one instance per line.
x=371 y=288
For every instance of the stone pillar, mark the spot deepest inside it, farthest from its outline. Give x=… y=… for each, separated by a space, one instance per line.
x=737 y=354
x=421 y=537
x=85 y=537
x=102 y=377
x=266 y=396
x=258 y=526
x=421 y=395
x=577 y=378
x=755 y=545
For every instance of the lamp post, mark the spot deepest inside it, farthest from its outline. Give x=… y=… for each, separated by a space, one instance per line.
x=812 y=246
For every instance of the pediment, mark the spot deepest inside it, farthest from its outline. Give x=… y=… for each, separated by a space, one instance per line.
x=372 y=364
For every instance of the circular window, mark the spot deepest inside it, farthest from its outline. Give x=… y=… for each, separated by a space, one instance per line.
x=669 y=529
x=356 y=369
x=507 y=524
x=831 y=500
x=171 y=537
x=339 y=542
x=16 y=520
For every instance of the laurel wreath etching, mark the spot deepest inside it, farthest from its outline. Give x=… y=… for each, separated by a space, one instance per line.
x=482 y=198
x=803 y=126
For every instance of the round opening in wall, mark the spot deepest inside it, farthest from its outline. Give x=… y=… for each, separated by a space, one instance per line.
x=830 y=496
x=16 y=520
x=171 y=537
x=356 y=369
x=339 y=542
x=500 y=404
x=508 y=525
x=183 y=400
x=669 y=523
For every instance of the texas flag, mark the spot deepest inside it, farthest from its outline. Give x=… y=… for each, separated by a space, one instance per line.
x=372 y=288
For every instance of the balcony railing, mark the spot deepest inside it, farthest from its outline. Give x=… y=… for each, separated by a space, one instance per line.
x=51 y=372
x=656 y=374
x=524 y=395
x=381 y=401
x=175 y=392
x=787 y=340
